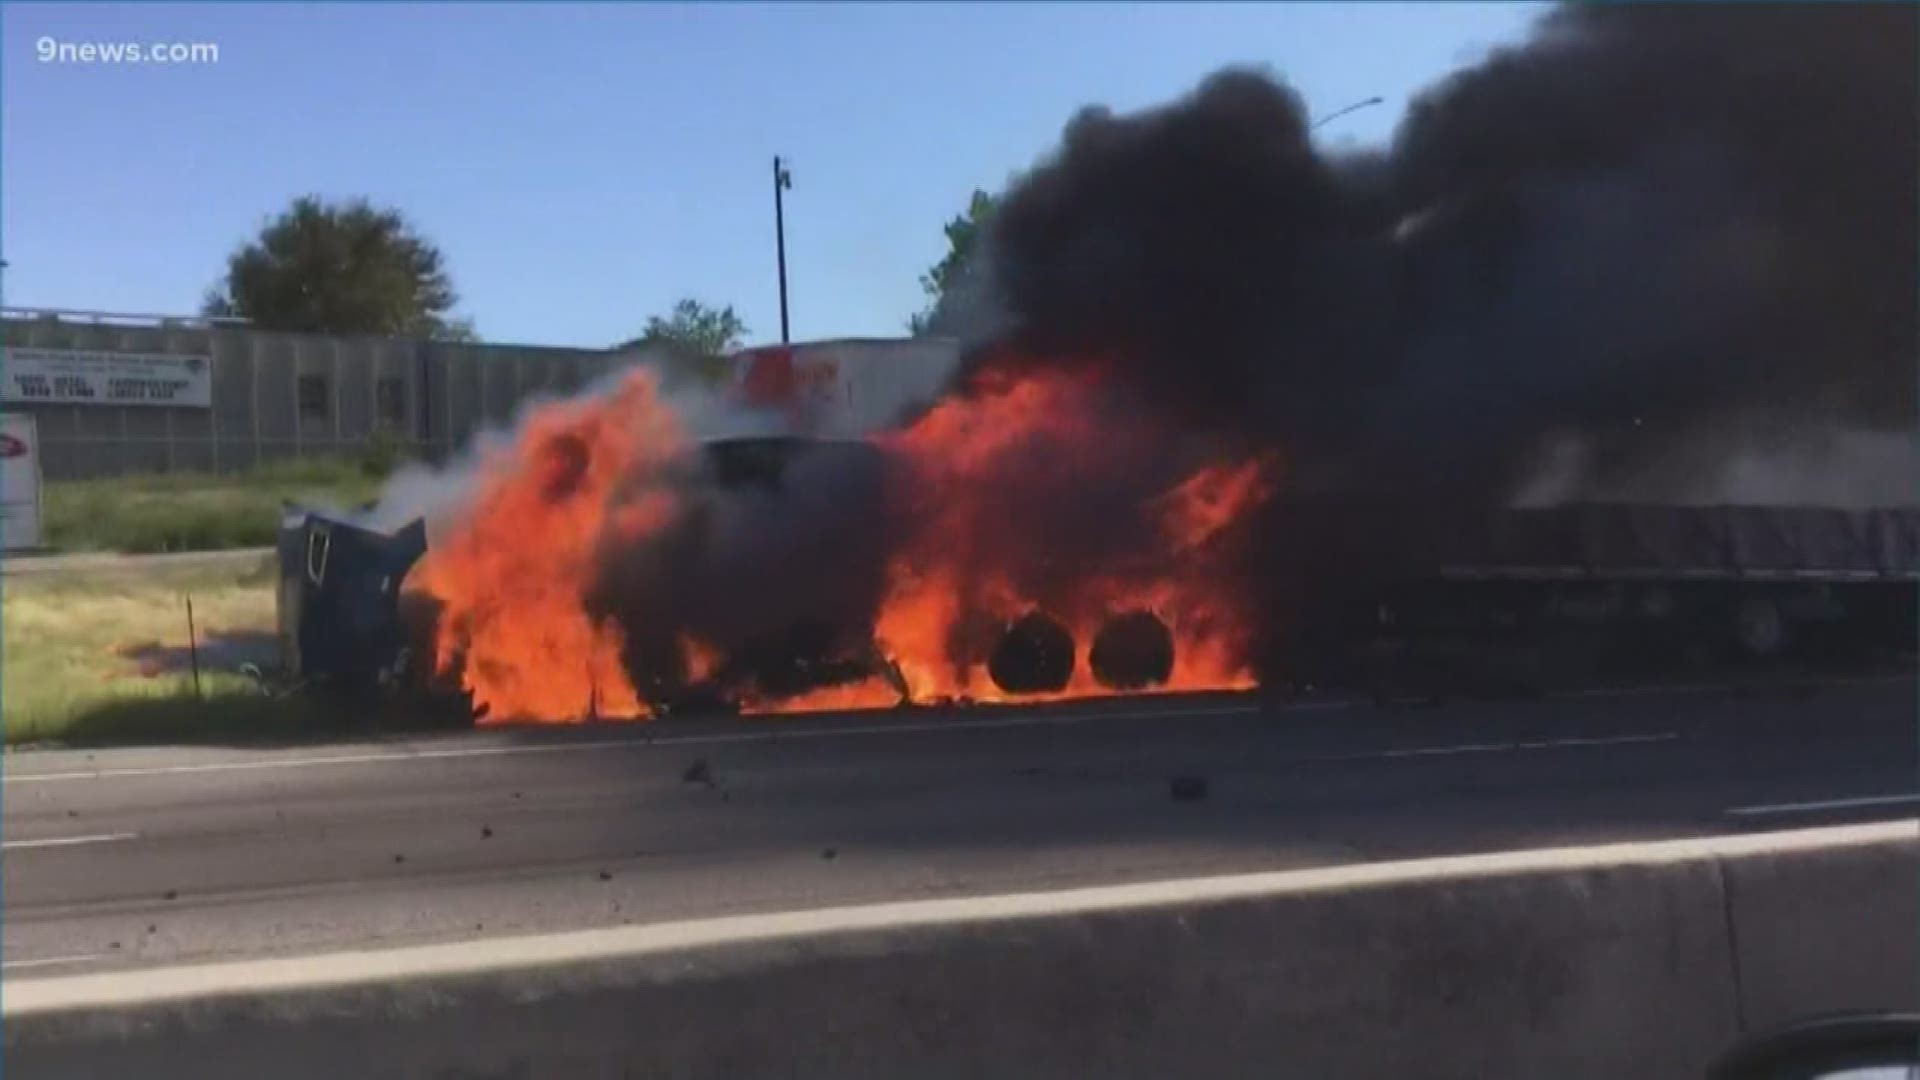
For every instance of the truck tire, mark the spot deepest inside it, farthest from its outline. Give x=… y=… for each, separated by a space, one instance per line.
x=1760 y=629
x=1133 y=651
x=1033 y=656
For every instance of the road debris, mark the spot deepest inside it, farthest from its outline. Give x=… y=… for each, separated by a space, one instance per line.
x=1188 y=788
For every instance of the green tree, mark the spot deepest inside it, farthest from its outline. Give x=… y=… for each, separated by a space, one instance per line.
x=695 y=327
x=340 y=268
x=945 y=278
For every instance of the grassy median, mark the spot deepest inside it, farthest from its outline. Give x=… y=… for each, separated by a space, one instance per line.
x=100 y=654
x=160 y=512
x=104 y=657
x=101 y=658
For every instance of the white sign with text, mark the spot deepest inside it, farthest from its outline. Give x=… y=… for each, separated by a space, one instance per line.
x=84 y=377
x=19 y=482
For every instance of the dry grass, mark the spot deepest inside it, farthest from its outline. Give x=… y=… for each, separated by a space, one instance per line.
x=102 y=658
x=63 y=639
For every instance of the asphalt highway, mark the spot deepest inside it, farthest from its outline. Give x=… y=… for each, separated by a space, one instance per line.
x=142 y=857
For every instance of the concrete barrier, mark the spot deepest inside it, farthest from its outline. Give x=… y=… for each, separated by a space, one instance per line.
x=1826 y=929
x=1636 y=960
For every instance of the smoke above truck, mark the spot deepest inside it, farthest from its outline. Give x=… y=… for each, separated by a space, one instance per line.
x=1623 y=260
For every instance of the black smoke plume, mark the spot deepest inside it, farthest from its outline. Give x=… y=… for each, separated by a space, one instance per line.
x=1650 y=237
x=1647 y=227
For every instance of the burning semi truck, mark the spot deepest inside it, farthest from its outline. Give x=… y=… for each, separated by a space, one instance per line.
x=607 y=566
x=1237 y=407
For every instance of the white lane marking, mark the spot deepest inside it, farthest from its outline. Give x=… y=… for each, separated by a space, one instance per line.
x=1691 y=689
x=1442 y=751
x=771 y=733
x=67 y=841
x=1500 y=747
x=1825 y=804
x=1603 y=740
x=50 y=961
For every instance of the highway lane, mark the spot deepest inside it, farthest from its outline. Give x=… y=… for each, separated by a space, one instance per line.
x=136 y=857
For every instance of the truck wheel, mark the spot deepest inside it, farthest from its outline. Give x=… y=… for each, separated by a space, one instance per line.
x=1133 y=651
x=1760 y=630
x=1034 y=656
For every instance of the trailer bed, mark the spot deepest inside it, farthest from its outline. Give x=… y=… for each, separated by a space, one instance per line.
x=1626 y=541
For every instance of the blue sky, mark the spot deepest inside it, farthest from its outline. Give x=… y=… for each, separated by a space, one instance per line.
x=584 y=166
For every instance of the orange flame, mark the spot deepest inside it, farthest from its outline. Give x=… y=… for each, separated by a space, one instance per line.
x=955 y=452
x=512 y=579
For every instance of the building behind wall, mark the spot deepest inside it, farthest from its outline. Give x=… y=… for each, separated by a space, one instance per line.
x=113 y=394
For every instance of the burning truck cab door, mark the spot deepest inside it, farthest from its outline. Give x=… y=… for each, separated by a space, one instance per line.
x=339 y=618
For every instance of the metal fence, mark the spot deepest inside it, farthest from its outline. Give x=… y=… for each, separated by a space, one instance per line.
x=282 y=395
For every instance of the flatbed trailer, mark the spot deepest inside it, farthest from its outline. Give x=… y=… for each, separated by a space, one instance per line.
x=1757 y=580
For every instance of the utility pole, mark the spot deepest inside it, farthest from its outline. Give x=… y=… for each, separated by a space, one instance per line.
x=782 y=180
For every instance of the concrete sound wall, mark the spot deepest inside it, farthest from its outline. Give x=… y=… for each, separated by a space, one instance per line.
x=1628 y=960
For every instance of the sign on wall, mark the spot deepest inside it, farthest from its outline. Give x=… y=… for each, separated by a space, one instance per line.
x=83 y=377
x=801 y=382
x=19 y=482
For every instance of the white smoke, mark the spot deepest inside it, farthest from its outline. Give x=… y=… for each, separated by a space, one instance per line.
x=440 y=493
